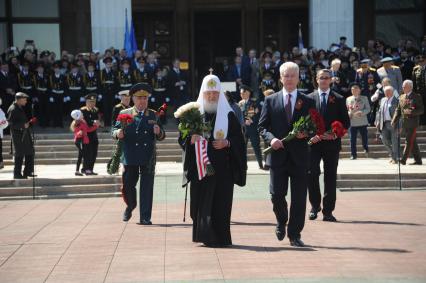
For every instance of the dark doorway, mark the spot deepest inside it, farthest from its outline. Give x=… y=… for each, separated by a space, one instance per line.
x=216 y=34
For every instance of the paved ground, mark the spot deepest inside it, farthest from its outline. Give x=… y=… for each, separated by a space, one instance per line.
x=380 y=239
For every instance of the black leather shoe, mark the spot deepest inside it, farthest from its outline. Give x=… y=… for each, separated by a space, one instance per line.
x=329 y=218
x=30 y=175
x=415 y=163
x=352 y=157
x=145 y=222
x=296 y=243
x=19 y=177
x=280 y=232
x=402 y=162
x=127 y=214
x=314 y=214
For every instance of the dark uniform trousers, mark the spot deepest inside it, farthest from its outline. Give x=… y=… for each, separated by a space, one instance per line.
x=328 y=151
x=411 y=146
x=83 y=155
x=29 y=165
x=91 y=151
x=130 y=178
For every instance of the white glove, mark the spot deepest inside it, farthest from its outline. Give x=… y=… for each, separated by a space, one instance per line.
x=99 y=97
x=117 y=96
x=82 y=99
x=167 y=99
x=35 y=99
x=51 y=99
x=152 y=99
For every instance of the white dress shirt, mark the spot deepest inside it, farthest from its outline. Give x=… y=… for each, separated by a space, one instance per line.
x=327 y=93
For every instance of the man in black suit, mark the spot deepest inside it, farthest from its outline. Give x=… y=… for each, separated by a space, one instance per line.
x=289 y=160
x=177 y=84
x=332 y=107
x=239 y=73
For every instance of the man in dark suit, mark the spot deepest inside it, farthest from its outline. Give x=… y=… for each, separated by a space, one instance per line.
x=332 y=107
x=8 y=86
x=289 y=160
x=239 y=73
x=177 y=84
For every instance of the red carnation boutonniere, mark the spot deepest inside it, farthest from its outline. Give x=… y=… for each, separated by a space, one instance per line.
x=33 y=120
x=331 y=99
x=299 y=104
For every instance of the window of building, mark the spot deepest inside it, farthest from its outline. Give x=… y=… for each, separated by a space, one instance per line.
x=35 y=9
x=45 y=36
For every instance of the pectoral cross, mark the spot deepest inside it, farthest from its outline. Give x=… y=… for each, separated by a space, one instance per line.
x=211 y=71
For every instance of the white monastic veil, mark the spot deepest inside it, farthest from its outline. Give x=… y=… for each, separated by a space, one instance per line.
x=212 y=83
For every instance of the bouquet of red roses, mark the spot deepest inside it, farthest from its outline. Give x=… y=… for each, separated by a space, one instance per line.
x=114 y=162
x=308 y=125
x=337 y=129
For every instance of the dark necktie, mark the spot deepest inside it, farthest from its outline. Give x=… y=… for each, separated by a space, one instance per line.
x=288 y=108
x=323 y=103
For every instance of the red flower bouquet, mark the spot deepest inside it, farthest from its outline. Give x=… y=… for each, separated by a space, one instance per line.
x=114 y=162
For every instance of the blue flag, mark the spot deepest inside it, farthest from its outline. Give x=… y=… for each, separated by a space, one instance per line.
x=133 y=38
x=300 y=39
x=127 y=39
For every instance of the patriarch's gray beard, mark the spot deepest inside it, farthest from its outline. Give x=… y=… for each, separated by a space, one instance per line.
x=210 y=107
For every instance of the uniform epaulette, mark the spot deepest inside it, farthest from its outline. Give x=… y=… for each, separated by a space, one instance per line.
x=359 y=70
x=372 y=69
x=394 y=67
x=83 y=108
x=152 y=110
x=118 y=105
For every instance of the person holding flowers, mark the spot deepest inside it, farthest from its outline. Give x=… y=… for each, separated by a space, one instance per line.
x=138 y=151
x=326 y=146
x=214 y=160
x=289 y=158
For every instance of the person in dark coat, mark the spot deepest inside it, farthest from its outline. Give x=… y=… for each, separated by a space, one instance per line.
x=21 y=137
x=212 y=195
x=288 y=162
x=139 y=153
x=124 y=104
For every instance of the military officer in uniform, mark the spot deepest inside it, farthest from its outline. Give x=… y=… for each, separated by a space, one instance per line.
x=91 y=115
x=26 y=85
x=125 y=77
x=419 y=83
x=91 y=84
x=392 y=72
x=251 y=112
x=21 y=137
x=75 y=87
x=41 y=102
x=56 y=97
x=141 y=74
x=124 y=104
x=409 y=109
x=108 y=84
x=139 y=153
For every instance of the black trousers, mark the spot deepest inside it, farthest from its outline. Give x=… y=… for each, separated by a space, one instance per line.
x=329 y=154
x=108 y=99
x=43 y=108
x=146 y=189
x=278 y=188
x=29 y=165
x=82 y=155
x=91 y=153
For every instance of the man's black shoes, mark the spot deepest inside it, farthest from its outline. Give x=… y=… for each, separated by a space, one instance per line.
x=314 y=213
x=280 y=232
x=329 y=218
x=19 y=177
x=127 y=214
x=297 y=243
x=145 y=222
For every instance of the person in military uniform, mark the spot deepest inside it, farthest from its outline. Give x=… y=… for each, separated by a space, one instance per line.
x=124 y=104
x=139 y=153
x=21 y=137
x=125 y=77
x=41 y=98
x=159 y=94
x=251 y=112
x=266 y=83
x=91 y=83
x=305 y=81
x=141 y=74
x=108 y=84
x=392 y=72
x=58 y=84
x=75 y=87
x=409 y=109
x=91 y=116
x=368 y=79
x=419 y=83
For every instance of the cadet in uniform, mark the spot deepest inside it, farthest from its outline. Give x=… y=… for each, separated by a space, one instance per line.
x=40 y=100
x=75 y=87
x=159 y=95
x=419 y=83
x=139 y=153
x=108 y=84
x=56 y=97
x=125 y=77
x=21 y=137
x=91 y=116
x=91 y=83
x=26 y=85
x=141 y=74
x=124 y=104
x=251 y=113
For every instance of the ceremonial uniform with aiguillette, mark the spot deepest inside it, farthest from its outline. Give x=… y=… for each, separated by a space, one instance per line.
x=21 y=139
x=125 y=79
x=91 y=85
x=75 y=87
x=91 y=115
x=139 y=156
x=26 y=85
x=108 y=84
x=41 y=99
x=58 y=86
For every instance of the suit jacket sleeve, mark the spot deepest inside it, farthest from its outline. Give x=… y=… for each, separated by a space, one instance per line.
x=265 y=122
x=343 y=113
x=237 y=150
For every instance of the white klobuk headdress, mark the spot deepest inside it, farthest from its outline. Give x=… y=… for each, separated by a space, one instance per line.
x=212 y=83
